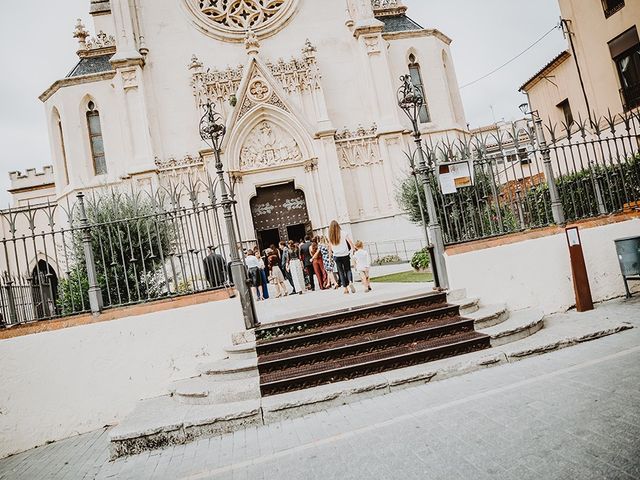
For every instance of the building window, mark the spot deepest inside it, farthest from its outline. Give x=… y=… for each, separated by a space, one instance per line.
x=416 y=79
x=625 y=52
x=565 y=108
x=611 y=6
x=95 y=138
x=64 y=152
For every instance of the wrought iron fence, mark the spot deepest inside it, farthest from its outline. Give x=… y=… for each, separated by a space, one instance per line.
x=399 y=251
x=140 y=243
x=595 y=168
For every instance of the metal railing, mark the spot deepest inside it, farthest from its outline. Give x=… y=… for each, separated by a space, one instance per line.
x=127 y=245
x=594 y=167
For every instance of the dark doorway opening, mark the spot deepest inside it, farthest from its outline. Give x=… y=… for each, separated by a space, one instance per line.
x=296 y=232
x=44 y=290
x=280 y=213
x=266 y=238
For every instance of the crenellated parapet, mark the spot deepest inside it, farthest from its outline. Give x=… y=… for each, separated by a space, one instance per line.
x=31 y=179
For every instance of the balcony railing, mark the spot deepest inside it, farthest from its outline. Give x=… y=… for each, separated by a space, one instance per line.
x=612 y=6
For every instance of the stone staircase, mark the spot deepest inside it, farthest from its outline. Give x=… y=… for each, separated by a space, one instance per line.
x=323 y=349
x=300 y=366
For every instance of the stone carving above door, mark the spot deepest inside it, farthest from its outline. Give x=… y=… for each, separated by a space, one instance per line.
x=229 y=20
x=267 y=146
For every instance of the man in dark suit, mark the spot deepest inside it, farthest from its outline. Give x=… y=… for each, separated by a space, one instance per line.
x=307 y=263
x=214 y=269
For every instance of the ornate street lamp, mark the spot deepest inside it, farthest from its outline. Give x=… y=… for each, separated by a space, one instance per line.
x=212 y=132
x=411 y=101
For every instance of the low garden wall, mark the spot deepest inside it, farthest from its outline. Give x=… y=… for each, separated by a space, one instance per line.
x=75 y=379
x=533 y=269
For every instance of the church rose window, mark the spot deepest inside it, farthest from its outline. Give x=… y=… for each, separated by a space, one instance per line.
x=230 y=19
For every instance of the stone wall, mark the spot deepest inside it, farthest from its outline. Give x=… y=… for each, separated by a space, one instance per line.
x=70 y=381
x=537 y=272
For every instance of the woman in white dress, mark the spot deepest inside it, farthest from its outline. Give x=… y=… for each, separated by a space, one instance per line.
x=294 y=266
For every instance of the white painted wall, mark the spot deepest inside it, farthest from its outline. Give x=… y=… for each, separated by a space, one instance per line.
x=538 y=272
x=61 y=383
x=155 y=113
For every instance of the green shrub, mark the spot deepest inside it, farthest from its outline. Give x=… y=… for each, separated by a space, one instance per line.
x=421 y=260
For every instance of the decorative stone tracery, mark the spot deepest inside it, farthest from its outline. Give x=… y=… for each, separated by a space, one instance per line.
x=298 y=75
x=229 y=19
x=173 y=163
x=240 y=14
x=268 y=145
x=358 y=148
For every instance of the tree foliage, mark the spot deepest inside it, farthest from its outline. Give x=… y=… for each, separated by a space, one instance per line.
x=130 y=236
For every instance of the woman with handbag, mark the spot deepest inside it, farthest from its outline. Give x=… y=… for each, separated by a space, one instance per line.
x=340 y=246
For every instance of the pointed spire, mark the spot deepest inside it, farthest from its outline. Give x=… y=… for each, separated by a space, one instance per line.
x=309 y=51
x=195 y=64
x=81 y=34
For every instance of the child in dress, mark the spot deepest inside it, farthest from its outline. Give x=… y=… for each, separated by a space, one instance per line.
x=363 y=264
x=275 y=276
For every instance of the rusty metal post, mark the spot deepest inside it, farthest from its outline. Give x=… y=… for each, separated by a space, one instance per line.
x=584 y=300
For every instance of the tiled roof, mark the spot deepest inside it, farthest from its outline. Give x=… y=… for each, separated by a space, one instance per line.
x=398 y=23
x=557 y=60
x=89 y=65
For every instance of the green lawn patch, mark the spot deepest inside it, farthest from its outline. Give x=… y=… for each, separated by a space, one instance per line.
x=405 y=277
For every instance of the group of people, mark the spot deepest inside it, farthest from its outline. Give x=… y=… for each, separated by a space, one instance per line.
x=327 y=261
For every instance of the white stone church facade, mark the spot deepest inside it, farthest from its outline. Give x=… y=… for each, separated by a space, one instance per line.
x=314 y=132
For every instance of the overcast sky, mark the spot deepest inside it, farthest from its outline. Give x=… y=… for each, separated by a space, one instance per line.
x=36 y=48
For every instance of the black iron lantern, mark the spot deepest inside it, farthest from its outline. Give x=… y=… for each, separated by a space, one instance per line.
x=212 y=128
x=410 y=100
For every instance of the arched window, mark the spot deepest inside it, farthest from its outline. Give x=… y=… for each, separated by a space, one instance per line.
x=57 y=126
x=95 y=139
x=416 y=78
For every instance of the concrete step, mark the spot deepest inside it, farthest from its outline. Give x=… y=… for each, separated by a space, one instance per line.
x=467 y=305
x=161 y=422
x=489 y=315
x=231 y=368
x=556 y=335
x=521 y=324
x=210 y=390
x=241 y=351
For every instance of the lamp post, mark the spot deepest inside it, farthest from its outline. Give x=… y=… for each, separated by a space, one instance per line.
x=411 y=101
x=557 y=209
x=212 y=131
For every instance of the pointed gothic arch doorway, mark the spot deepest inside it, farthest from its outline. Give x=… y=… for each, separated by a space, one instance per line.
x=280 y=213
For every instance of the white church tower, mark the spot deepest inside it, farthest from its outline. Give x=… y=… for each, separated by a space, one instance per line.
x=307 y=89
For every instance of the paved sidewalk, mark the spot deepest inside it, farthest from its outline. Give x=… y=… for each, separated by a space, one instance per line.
x=310 y=303
x=570 y=414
